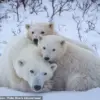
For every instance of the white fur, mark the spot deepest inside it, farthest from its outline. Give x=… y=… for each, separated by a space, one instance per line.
x=78 y=68
x=7 y=76
x=16 y=76
x=48 y=29
x=37 y=28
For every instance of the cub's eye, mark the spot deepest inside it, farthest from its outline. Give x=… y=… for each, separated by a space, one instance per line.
x=32 y=32
x=44 y=48
x=21 y=63
x=42 y=32
x=31 y=71
x=53 y=49
x=45 y=73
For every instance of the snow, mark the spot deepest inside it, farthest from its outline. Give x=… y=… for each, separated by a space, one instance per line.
x=64 y=25
x=89 y=95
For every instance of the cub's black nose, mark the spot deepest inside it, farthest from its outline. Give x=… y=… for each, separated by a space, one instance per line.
x=35 y=41
x=37 y=87
x=47 y=58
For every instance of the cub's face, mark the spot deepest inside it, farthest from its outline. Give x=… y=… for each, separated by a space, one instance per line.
x=35 y=71
x=36 y=31
x=51 y=47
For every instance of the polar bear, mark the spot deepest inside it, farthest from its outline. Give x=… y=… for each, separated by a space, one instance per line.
x=37 y=30
x=28 y=72
x=78 y=69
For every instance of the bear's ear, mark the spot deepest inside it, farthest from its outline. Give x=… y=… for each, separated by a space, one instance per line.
x=27 y=26
x=53 y=67
x=40 y=38
x=62 y=42
x=21 y=63
x=51 y=25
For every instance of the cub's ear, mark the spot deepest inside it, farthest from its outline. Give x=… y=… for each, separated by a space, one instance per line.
x=54 y=67
x=40 y=38
x=51 y=25
x=27 y=26
x=62 y=42
x=21 y=63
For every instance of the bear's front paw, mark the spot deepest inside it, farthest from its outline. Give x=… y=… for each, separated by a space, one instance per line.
x=48 y=86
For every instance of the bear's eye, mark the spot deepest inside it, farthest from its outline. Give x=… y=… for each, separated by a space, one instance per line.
x=32 y=32
x=44 y=48
x=42 y=32
x=53 y=49
x=21 y=63
x=45 y=73
x=31 y=71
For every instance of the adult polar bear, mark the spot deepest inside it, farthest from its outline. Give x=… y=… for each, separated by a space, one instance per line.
x=37 y=30
x=20 y=70
x=78 y=69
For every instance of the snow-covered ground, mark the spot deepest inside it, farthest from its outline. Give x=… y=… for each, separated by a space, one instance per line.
x=74 y=23
x=93 y=94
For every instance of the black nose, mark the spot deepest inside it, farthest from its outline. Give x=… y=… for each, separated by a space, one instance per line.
x=37 y=87
x=46 y=58
x=35 y=41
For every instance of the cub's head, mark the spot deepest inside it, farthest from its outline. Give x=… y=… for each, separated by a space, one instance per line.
x=32 y=68
x=36 y=31
x=52 y=47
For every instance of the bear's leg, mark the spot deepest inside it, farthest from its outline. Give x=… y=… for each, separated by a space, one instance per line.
x=79 y=82
x=48 y=86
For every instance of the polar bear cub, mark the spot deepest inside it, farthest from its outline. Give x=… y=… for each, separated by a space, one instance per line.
x=28 y=72
x=78 y=69
x=37 y=30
